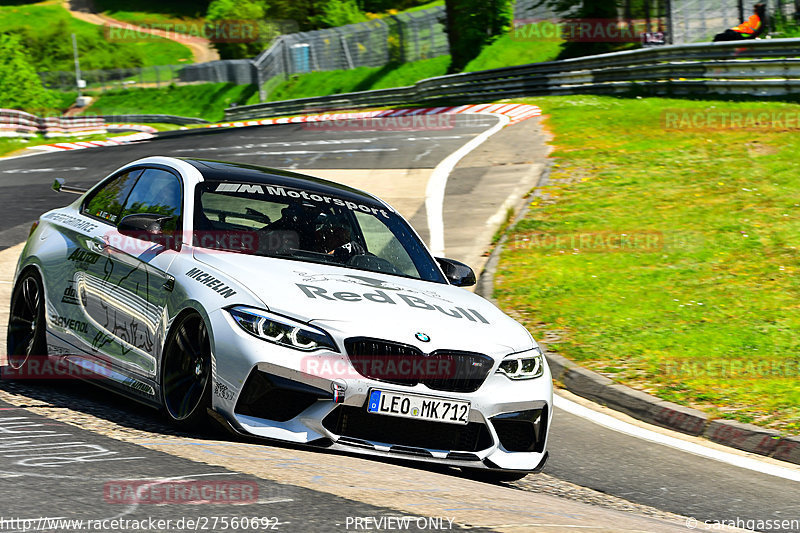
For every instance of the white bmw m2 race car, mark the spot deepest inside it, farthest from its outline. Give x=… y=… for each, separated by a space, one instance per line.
x=286 y=306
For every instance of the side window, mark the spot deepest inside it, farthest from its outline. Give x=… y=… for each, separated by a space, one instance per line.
x=106 y=203
x=157 y=192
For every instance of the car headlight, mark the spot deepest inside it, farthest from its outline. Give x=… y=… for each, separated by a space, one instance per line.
x=523 y=365
x=281 y=330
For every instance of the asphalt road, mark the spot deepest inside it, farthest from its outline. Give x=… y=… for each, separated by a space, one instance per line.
x=581 y=451
x=291 y=146
x=662 y=477
x=57 y=477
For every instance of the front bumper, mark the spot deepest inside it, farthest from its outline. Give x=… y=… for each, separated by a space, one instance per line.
x=267 y=391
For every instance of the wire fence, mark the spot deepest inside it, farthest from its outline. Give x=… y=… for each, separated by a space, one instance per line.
x=763 y=68
x=687 y=21
x=121 y=78
x=397 y=38
x=400 y=38
x=699 y=20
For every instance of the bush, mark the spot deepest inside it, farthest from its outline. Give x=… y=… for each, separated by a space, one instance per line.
x=50 y=48
x=20 y=87
x=339 y=13
x=251 y=10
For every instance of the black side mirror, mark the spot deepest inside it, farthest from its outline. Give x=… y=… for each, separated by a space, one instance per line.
x=456 y=272
x=148 y=227
x=59 y=185
x=142 y=225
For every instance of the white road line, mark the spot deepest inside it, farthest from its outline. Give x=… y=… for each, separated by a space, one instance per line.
x=612 y=423
x=308 y=152
x=434 y=193
x=286 y=144
x=33 y=170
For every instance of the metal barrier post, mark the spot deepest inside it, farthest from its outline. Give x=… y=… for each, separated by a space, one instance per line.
x=349 y=59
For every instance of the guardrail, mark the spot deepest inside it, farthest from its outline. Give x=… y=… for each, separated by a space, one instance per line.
x=153 y=119
x=765 y=67
x=14 y=123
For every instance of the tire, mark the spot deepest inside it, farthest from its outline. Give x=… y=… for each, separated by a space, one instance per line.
x=494 y=476
x=186 y=372
x=26 y=323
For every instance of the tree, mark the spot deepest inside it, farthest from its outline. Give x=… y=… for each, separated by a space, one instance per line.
x=585 y=9
x=473 y=24
x=20 y=86
x=339 y=13
x=253 y=11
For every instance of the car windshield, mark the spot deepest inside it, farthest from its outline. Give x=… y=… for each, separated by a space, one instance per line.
x=310 y=226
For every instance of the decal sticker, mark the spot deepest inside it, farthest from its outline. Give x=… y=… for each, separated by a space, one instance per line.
x=211 y=282
x=101 y=339
x=105 y=215
x=69 y=323
x=71 y=295
x=71 y=221
x=252 y=188
x=379 y=296
x=365 y=281
x=223 y=391
x=83 y=258
x=54 y=349
x=338 y=388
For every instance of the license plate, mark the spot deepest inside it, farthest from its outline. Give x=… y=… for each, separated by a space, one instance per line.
x=418 y=407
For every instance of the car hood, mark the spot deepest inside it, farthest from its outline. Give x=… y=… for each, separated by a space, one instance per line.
x=356 y=303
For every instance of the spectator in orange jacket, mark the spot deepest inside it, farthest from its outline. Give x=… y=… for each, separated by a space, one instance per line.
x=750 y=29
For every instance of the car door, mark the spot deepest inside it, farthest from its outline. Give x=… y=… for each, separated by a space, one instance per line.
x=77 y=253
x=125 y=294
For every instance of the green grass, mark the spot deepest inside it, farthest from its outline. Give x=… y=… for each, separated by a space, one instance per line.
x=358 y=79
x=64 y=100
x=47 y=27
x=158 y=51
x=10 y=145
x=717 y=283
x=427 y=5
x=207 y=100
x=504 y=52
x=507 y=51
x=163 y=126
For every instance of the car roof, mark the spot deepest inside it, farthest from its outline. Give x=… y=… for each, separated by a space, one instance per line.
x=227 y=171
